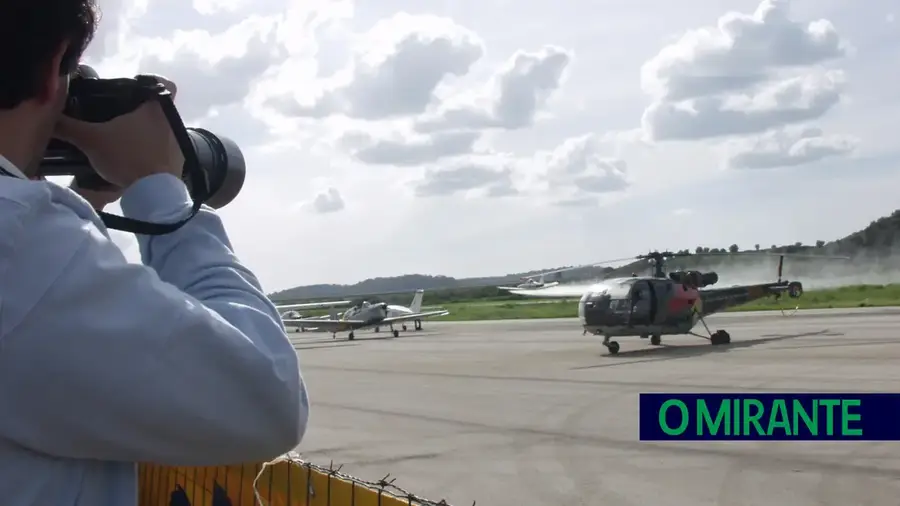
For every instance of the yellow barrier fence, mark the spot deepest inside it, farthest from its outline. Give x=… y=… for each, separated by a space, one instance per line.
x=289 y=481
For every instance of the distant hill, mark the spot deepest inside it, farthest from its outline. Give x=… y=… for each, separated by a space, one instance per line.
x=408 y=283
x=875 y=245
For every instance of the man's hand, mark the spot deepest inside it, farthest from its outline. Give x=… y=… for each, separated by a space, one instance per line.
x=128 y=147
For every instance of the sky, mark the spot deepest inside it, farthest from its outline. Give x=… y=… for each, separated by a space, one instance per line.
x=492 y=137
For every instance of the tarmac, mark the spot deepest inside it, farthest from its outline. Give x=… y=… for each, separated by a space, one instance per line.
x=531 y=412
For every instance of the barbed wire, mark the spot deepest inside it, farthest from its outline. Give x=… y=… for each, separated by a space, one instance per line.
x=289 y=480
x=385 y=485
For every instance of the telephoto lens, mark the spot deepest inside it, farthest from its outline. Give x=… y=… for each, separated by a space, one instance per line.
x=220 y=161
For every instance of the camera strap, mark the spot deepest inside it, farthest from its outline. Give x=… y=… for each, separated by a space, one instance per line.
x=197 y=179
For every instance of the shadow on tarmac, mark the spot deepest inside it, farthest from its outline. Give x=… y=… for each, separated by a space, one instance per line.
x=669 y=352
x=341 y=341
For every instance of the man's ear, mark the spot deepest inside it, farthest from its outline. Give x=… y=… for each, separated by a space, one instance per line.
x=52 y=83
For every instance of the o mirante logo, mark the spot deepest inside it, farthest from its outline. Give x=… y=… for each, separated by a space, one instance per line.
x=806 y=417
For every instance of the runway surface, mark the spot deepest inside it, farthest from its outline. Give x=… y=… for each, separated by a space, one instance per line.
x=532 y=412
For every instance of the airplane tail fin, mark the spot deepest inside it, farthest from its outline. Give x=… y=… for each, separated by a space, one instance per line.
x=416 y=305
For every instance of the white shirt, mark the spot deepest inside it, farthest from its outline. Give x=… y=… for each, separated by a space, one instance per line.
x=182 y=361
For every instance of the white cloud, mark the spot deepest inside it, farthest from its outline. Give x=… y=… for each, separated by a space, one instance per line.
x=456 y=128
x=735 y=78
x=329 y=201
x=581 y=169
x=222 y=66
x=518 y=90
x=790 y=101
x=463 y=178
x=782 y=148
x=396 y=70
x=741 y=51
x=409 y=149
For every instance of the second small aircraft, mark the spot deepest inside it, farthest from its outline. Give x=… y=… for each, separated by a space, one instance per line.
x=536 y=281
x=363 y=316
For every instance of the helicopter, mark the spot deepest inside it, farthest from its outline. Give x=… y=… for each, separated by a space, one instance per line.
x=665 y=304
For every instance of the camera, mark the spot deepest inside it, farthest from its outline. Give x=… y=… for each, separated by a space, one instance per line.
x=214 y=169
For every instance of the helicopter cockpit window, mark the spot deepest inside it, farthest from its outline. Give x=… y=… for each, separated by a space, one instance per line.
x=620 y=295
x=619 y=291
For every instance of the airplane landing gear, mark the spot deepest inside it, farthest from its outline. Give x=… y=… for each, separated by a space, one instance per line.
x=655 y=339
x=404 y=327
x=396 y=333
x=377 y=329
x=417 y=325
x=350 y=336
x=612 y=346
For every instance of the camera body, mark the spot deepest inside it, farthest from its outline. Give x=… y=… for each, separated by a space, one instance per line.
x=214 y=169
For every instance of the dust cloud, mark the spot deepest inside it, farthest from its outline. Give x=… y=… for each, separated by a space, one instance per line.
x=814 y=273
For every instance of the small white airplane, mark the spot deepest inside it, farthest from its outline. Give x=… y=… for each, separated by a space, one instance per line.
x=531 y=283
x=415 y=307
x=368 y=315
x=289 y=312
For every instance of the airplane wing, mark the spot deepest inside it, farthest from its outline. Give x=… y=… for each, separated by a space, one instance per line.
x=324 y=317
x=531 y=289
x=314 y=305
x=414 y=316
x=557 y=271
x=553 y=292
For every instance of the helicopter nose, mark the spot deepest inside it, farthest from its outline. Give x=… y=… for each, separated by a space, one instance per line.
x=594 y=309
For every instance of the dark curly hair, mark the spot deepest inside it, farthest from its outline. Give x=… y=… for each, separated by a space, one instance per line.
x=31 y=31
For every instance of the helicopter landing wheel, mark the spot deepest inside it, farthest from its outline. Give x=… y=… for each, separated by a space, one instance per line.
x=396 y=333
x=613 y=347
x=719 y=337
x=655 y=339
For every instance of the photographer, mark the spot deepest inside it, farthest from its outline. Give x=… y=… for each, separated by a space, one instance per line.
x=182 y=361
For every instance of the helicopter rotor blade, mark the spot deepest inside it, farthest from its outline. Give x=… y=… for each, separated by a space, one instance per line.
x=612 y=261
x=768 y=254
